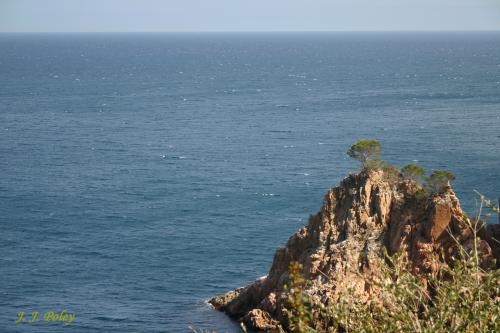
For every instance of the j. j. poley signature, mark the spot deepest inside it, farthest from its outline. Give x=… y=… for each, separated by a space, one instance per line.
x=50 y=316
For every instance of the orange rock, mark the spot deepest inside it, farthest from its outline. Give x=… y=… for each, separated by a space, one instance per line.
x=342 y=247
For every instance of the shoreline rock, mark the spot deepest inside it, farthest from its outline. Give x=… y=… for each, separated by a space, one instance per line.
x=343 y=246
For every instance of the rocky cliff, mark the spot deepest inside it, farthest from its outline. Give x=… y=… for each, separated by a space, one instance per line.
x=343 y=245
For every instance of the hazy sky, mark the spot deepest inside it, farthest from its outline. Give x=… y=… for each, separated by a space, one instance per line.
x=247 y=15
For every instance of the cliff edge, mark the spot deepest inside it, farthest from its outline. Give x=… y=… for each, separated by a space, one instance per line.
x=343 y=246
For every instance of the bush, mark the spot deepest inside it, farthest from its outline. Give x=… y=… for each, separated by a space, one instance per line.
x=439 y=180
x=365 y=150
x=413 y=171
x=298 y=307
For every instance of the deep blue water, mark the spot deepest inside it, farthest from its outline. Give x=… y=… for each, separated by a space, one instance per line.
x=143 y=173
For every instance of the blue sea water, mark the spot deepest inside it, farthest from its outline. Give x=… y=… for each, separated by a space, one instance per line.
x=141 y=174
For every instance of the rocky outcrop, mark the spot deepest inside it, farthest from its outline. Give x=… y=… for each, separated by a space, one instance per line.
x=342 y=247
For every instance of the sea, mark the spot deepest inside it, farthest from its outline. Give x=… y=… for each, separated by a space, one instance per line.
x=142 y=174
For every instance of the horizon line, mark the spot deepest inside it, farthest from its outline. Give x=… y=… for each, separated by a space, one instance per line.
x=247 y=31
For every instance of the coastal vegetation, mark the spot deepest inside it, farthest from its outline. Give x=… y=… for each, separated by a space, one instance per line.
x=390 y=250
x=459 y=296
x=365 y=150
x=413 y=171
x=369 y=153
x=439 y=179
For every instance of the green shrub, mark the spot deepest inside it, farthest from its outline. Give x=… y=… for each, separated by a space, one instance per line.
x=298 y=308
x=413 y=171
x=365 y=150
x=439 y=180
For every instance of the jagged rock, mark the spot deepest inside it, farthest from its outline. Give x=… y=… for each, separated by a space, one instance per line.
x=261 y=320
x=268 y=304
x=342 y=247
x=220 y=301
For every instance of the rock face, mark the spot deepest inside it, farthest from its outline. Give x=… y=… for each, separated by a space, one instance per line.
x=343 y=246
